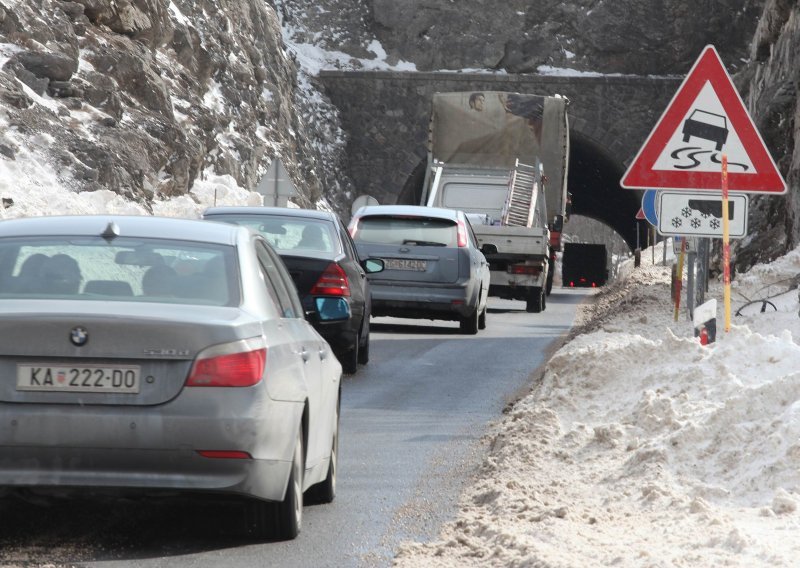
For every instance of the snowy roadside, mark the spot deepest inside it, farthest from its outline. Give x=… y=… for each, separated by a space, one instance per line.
x=640 y=447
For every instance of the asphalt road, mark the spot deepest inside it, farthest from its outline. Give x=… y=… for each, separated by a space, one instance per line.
x=412 y=425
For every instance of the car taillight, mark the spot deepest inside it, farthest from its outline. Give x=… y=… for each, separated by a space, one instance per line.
x=462 y=234
x=240 y=369
x=332 y=282
x=530 y=269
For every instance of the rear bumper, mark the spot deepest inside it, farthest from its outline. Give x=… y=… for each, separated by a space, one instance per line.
x=411 y=300
x=145 y=470
x=152 y=447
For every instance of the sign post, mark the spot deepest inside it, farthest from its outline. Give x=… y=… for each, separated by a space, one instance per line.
x=726 y=246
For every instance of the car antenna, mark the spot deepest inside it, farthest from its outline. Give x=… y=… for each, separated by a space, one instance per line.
x=111 y=231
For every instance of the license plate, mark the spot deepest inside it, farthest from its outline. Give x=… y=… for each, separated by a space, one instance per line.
x=406 y=264
x=83 y=378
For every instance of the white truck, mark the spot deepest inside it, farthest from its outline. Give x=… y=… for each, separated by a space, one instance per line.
x=502 y=158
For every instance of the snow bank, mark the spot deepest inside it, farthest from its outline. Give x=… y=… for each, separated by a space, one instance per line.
x=640 y=447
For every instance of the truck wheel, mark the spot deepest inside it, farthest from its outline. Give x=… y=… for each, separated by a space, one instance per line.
x=535 y=300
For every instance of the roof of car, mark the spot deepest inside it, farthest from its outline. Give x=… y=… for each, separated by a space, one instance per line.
x=139 y=226
x=277 y=211
x=412 y=210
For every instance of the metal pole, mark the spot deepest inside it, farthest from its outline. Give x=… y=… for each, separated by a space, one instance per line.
x=690 y=284
x=702 y=270
x=275 y=186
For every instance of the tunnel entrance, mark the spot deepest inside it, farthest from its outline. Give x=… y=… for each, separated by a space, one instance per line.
x=593 y=181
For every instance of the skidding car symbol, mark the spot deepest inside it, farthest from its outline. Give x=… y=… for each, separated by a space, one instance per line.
x=708 y=126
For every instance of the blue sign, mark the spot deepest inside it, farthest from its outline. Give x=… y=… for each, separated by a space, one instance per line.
x=649 y=206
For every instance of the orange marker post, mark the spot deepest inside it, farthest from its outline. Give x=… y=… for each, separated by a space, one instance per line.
x=726 y=246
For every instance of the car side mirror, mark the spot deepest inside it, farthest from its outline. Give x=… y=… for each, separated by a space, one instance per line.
x=331 y=309
x=373 y=265
x=489 y=249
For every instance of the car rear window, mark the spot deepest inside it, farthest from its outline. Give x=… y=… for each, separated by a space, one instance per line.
x=406 y=230
x=146 y=270
x=287 y=233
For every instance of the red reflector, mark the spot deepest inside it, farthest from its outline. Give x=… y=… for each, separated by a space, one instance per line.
x=572 y=284
x=457 y=302
x=332 y=282
x=234 y=370
x=525 y=269
x=225 y=454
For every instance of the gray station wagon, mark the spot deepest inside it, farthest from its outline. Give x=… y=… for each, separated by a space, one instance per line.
x=433 y=266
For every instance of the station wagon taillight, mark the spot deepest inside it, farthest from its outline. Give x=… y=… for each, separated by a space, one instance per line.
x=462 y=234
x=332 y=282
x=243 y=369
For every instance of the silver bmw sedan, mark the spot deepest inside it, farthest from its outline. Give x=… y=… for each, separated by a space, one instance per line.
x=155 y=353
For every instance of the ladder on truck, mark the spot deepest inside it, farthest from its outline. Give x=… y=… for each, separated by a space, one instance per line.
x=523 y=189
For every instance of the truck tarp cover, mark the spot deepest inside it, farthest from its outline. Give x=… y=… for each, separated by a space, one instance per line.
x=493 y=129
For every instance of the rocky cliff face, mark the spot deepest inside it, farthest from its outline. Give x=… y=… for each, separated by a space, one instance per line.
x=771 y=81
x=143 y=97
x=519 y=36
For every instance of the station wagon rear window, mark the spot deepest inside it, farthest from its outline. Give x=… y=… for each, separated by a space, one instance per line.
x=406 y=230
x=90 y=268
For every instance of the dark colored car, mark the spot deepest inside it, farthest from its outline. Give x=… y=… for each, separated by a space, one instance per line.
x=322 y=260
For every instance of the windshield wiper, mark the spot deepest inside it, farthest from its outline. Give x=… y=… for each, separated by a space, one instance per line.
x=423 y=243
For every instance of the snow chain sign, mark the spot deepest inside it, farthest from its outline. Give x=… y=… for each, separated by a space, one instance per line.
x=699 y=215
x=705 y=119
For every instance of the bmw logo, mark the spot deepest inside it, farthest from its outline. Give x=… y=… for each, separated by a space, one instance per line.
x=79 y=336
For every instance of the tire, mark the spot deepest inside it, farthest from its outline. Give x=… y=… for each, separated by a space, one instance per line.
x=349 y=359
x=482 y=318
x=550 y=275
x=469 y=324
x=535 y=300
x=325 y=491
x=363 y=350
x=282 y=520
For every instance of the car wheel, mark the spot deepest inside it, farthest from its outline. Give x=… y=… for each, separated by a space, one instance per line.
x=350 y=358
x=325 y=491
x=363 y=350
x=281 y=520
x=535 y=300
x=482 y=318
x=469 y=324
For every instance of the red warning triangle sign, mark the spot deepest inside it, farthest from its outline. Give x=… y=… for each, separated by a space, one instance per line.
x=640 y=215
x=705 y=119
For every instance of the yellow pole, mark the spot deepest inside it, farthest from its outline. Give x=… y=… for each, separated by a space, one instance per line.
x=726 y=246
x=679 y=278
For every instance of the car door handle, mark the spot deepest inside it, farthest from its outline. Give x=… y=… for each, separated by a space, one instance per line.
x=323 y=353
x=304 y=355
